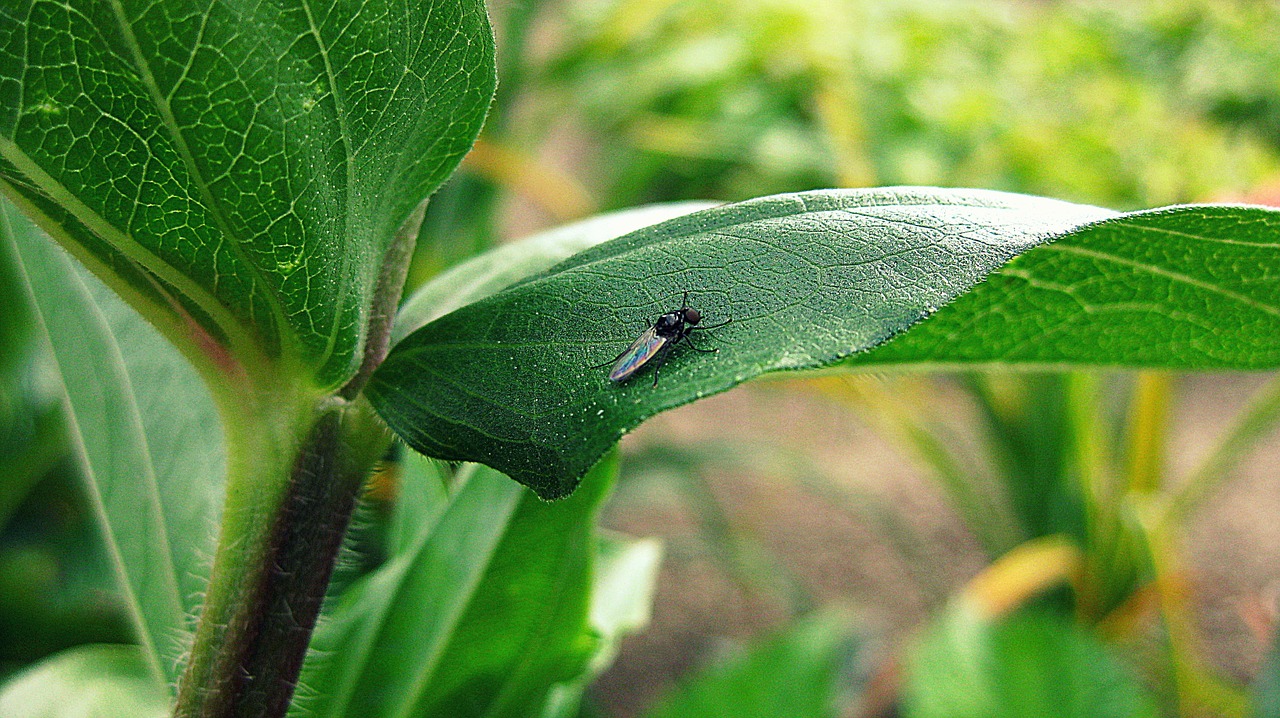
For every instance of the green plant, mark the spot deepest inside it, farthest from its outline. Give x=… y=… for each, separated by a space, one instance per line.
x=250 y=181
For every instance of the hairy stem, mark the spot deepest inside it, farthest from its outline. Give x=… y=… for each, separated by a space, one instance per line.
x=273 y=565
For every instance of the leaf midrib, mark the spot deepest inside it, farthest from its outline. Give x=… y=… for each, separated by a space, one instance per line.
x=344 y=135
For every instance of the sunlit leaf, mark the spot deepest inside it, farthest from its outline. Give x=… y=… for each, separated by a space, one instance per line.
x=516 y=380
x=1195 y=287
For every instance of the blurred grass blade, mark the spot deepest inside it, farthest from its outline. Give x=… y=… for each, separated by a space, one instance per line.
x=83 y=682
x=148 y=439
x=1258 y=419
x=907 y=409
x=801 y=672
x=482 y=616
x=1148 y=431
x=807 y=278
x=1024 y=665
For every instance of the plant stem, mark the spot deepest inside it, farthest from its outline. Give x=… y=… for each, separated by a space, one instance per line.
x=274 y=560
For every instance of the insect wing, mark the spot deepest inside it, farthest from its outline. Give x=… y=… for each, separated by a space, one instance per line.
x=637 y=355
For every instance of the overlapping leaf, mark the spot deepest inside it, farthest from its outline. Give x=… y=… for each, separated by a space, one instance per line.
x=238 y=169
x=803 y=671
x=93 y=680
x=1194 y=287
x=1027 y=665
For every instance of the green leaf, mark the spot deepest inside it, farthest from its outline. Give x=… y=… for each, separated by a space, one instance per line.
x=153 y=465
x=86 y=682
x=801 y=672
x=422 y=495
x=1025 y=665
x=238 y=170
x=516 y=380
x=481 y=616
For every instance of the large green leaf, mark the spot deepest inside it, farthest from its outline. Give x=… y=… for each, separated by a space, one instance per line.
x=147 y=435
x=97 y=681
x=1026 y=665
x=803 y=671
x=514 y=380
x=239 y=167
x=481 y=615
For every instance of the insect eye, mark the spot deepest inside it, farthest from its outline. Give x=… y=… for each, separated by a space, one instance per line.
x=692 y=316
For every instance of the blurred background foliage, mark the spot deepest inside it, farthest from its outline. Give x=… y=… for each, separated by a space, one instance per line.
x=610 y=103
x=1061 y=482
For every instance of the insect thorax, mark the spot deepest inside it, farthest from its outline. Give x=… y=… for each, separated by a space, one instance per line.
x=669 y=324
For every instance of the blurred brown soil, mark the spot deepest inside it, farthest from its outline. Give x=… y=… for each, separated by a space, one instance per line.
x=799 y=480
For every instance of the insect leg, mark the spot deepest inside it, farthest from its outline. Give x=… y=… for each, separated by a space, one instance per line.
x=717 y=326
x=661 y=358
x=713 y=326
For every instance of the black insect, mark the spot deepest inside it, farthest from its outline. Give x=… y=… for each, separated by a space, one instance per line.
x=656 y=342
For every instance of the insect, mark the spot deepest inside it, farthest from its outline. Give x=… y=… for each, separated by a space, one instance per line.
x=656 y=342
